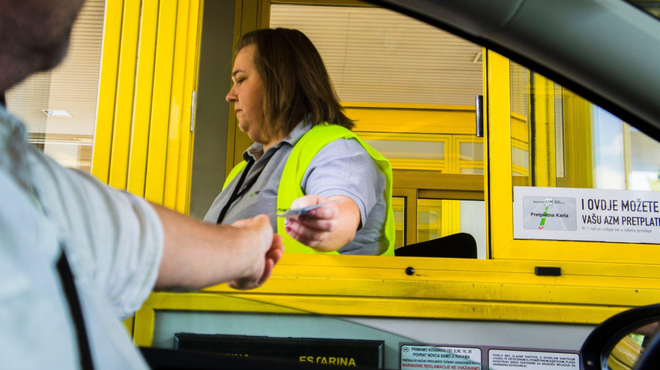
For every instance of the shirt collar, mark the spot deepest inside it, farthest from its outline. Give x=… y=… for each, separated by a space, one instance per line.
x=13 y=148
x=257 y=149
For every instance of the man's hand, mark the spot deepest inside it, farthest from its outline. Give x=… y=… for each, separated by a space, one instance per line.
x=259 y=234
x=327 y=228
x=197 y=254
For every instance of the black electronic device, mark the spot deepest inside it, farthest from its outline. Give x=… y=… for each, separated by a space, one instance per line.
x=339 y=352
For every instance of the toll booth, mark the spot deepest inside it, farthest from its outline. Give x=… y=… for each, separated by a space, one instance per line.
x=559 y=196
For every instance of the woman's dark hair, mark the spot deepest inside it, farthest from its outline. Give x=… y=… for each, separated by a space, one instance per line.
x=295 y=81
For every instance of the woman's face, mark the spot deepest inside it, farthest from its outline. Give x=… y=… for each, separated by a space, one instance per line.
x=247 y=94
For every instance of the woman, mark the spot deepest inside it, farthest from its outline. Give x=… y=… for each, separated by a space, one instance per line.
x=303 y=153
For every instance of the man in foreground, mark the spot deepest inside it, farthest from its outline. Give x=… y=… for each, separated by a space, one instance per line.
x=76 y=256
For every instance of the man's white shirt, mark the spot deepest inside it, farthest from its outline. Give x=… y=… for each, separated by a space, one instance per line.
x=113 y=241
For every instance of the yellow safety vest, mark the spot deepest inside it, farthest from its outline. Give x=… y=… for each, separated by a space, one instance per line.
x=294 y=170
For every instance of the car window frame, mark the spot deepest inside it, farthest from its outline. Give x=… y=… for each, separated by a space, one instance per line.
x=502 y=289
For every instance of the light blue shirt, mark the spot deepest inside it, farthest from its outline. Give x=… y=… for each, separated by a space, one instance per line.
x=113 y=242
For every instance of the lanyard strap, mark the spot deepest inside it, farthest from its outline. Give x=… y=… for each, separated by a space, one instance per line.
x=76 y=312
x=237 y=193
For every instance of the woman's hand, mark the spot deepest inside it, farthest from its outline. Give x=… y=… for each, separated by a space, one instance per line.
x=327 y=228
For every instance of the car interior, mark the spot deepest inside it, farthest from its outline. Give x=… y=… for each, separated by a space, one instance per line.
x=473 y=102
x=551 y=38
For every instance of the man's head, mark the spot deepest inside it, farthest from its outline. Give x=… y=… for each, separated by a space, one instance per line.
x=34 y=36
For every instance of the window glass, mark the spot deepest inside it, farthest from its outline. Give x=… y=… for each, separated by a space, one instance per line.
x=650 y=6
x=579 y=173
x=59 y=106
x=559 y=139
x=520 y=159
x=399 y=209
x=472 y=171
x=429 y=219
x=643 y=157
x=471 y=155
x=375 y=55
x=396 y=75
x=519 y=90
x=411 y=89
x=472 y=151
x=437 y=218
x=409 y=149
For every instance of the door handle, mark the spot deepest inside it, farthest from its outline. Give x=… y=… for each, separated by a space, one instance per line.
x=479 y=108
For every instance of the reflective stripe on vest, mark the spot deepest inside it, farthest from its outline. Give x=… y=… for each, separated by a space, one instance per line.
x=295 y=168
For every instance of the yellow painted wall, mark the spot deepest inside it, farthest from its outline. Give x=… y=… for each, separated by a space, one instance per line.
x=143 y=139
